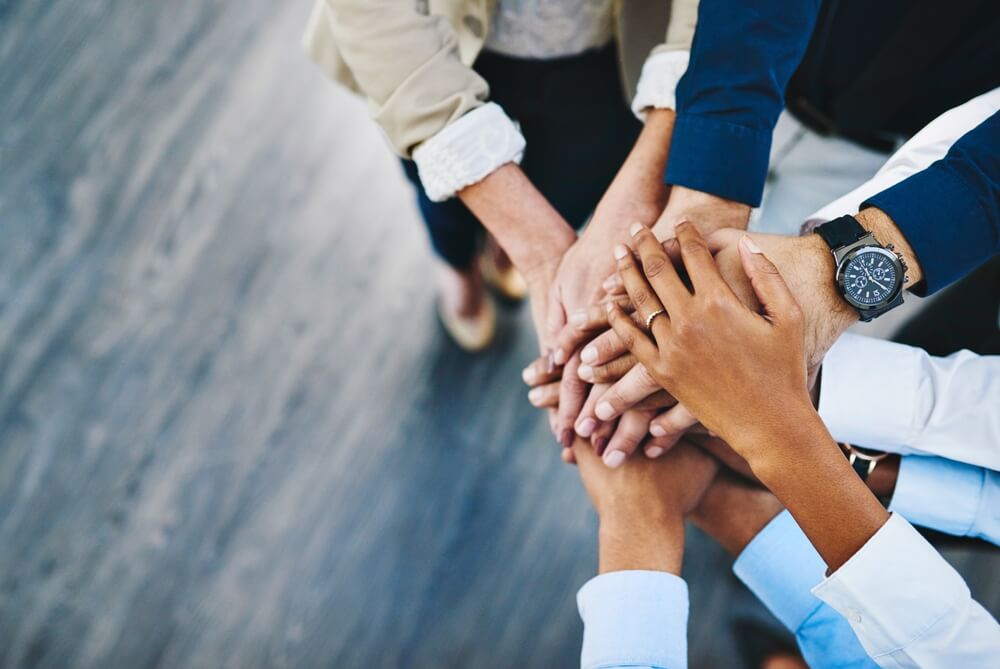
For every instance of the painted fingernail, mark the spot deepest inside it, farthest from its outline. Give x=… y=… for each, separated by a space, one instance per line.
x=600 y=443
x=535 y=395
x=550 y=365
x=634 y=230
x=604 y=411
x=559 y=357
x=657 y=431
x=750 y=244
x=589 y=354
x=654 y=452
x=585 y=372
x=614 y=459
x=529 y=375
x=578 y=319
x=621 y=251
x=586 y=427
x=566 y=438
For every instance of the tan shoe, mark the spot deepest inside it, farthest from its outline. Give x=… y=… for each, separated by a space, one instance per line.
x=472 y=333
x=507 y=281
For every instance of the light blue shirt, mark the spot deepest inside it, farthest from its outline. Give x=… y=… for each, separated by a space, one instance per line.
x=949 y=496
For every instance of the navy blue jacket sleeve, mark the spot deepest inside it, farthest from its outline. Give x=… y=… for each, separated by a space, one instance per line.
x=950 y=212
x=743 y=54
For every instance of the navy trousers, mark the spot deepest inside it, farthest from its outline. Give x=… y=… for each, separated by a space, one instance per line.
x=578 y=127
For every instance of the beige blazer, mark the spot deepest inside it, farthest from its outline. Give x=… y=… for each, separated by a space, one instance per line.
x=412 y=59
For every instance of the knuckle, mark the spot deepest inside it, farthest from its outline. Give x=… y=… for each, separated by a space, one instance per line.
x=654 y=264
x=640 y=298
x=646 y=377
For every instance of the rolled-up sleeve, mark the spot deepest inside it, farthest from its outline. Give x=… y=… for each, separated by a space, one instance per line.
x=634 y=619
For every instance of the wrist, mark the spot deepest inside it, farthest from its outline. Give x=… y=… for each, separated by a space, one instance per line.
x=882 y=227
x=638 y=541
x=707 y=212
x=770 y=445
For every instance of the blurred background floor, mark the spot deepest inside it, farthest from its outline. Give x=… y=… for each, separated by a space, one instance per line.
x=232 y=433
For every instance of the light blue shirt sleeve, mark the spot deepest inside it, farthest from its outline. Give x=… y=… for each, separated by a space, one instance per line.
x=781 y=568
x=952 y=497
x=635 y=619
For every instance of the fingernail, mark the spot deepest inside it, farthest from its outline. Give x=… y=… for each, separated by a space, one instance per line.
x=609 y=283
x=657 y=431
x=599 y=444
x=621 y=251
x=529 y=375
x=654 y=452
x=614 y=459
x=585 y=372
x=604 y=411
x=586 y=427
x=566 y=438
x=535 y=395
x=578 y=319
x=634 y=230
x=589 y=354
x=750 y=244
x=550 y=365
x=559 y=357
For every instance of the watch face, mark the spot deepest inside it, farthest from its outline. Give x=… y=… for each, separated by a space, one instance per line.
x=870 y=276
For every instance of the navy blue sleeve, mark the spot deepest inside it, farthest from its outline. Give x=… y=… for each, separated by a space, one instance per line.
x=728 y=100
x=950 y=212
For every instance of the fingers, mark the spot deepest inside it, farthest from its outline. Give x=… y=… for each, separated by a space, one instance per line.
x=605 y=348
x=555 y=319
x=770 y=288
x=613 y=284
x=634 y=387
x=632 y=429
x=657 y=270
x=586 y=424
x=670 y=426
x=572 y=394
x=584 y=323
x=545 y=396
x=634 y=339
x=698 y=261
x=541 y=371
x=609 y=372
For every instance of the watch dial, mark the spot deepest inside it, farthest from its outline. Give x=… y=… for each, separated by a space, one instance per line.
x=870 y=277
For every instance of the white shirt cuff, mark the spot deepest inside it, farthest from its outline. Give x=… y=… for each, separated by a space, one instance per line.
x=873 y=411
x=634 y=618
x=658 y=82
x=894 y=589
x=466 y=151
x=780 y=567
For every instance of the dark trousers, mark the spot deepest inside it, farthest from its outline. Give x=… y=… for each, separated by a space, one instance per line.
x=578 y=128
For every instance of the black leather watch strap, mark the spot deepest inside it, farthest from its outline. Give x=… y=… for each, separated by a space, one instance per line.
x=841 y=232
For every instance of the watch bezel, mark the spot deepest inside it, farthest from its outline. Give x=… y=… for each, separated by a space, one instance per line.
x=853 y=253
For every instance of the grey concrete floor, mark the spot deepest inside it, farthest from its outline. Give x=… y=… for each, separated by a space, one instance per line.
x=232 y=433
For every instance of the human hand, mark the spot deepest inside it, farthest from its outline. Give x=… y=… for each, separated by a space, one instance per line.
x=642 y=505
x=708 y=349
x=708 y=212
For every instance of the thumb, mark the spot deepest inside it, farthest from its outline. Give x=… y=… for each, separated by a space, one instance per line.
x=770 y=288
x=555 y=316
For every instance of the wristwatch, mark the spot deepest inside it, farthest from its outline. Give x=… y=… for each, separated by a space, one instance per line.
x=863 y=460
x=869 y=276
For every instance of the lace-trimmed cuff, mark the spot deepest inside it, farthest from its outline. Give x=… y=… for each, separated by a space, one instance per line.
x=657 y=87
x=467 y=150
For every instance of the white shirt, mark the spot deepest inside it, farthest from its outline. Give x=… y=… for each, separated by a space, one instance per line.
x=908 y=606
x=894 y=397
x=550 y=28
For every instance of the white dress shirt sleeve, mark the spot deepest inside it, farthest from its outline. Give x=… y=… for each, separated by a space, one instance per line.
x=894 y=397
x=635 y=619
x=908 y=606
x=657 y=88
x=927 y=146
x=467 y=151
x=948 y=496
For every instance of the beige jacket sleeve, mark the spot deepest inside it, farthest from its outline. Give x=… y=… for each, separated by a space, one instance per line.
x=407 y=65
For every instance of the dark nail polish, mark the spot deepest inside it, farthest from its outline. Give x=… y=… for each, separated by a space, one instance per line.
x=600 y=444
x=566 y=439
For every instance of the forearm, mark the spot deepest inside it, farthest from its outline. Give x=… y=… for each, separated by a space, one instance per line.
x=528 y=228
x=802 y=465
